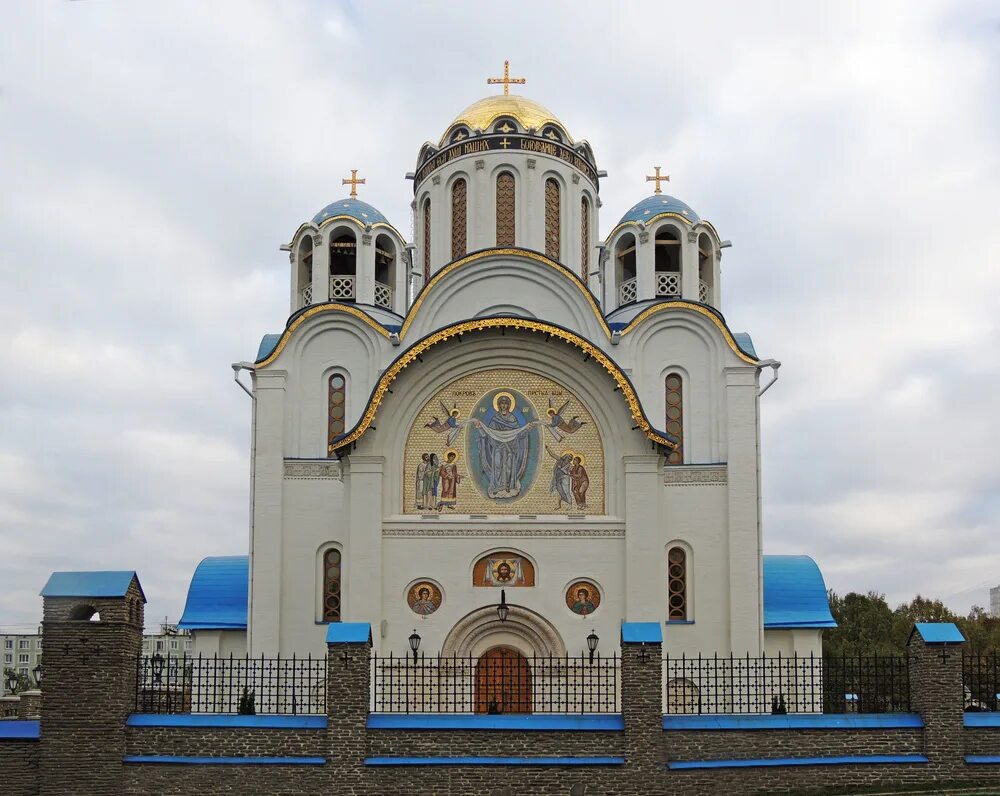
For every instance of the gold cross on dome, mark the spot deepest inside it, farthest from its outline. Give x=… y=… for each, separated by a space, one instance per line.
x=354 y=182
x=506 y=79
x=658 y=179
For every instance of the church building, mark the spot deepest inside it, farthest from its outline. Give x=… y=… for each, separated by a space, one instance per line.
x=508 y=410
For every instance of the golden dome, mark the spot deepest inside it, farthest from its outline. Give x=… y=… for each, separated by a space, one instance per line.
x=482 y=114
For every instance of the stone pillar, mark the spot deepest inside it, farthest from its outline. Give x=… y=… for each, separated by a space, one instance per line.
x=321 y=268
x=364 y=269
x=645 y=266
x=645 y=557
x=348 y=689
x=92 y=645
x=363 y=571
x=935 y=656
x=30 y=705
x=642 y=705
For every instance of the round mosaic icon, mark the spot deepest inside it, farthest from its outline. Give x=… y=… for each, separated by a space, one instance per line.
x=424 y=598
x=583 y=598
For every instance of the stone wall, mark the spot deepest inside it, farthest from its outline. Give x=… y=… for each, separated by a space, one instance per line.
x=18 y=767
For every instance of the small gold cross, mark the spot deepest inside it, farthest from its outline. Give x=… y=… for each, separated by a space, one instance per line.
x=506 y=79
x=658 y=179
x=354 y=182
x=504 y=142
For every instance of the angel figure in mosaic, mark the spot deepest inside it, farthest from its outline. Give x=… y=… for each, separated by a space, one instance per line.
x=562 y=481
x=451 y=425
x=558 y=426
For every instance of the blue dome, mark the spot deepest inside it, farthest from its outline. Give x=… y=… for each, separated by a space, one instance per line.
x=355 y=208
x=656 y=205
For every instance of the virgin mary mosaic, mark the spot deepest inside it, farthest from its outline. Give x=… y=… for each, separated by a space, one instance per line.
x=504 y=441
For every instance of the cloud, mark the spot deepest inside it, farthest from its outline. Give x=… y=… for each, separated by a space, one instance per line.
x=157 y=156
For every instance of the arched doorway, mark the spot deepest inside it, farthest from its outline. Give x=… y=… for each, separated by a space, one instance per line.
x=503 y=682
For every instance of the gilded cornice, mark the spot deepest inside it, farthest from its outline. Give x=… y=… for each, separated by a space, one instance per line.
x=317 y=309
x=482 y=324
x=691 y=307
x=511 y=252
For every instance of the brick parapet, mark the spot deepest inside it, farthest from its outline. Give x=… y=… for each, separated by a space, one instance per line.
x=758 y=744
x=642 y=712
x=494 y=743
x=936 y=694
x=225 y=742
x=18 y=767
x=348 y=688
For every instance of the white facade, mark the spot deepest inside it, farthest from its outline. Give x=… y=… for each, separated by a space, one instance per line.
x=491 y=306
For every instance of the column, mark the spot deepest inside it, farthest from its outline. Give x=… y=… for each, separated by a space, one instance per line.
x=935 y=659
x=481 y=208
x=645 y=266
x=745 y=595
x=645 y=567
x=642 y=705
x=364 y=270
x=90 y=680
x=268 y=511
x=321 y=268
x=689 y=266
x=348 y=688
x=363 y=573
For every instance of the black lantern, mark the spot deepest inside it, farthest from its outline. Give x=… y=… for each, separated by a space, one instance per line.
x=158 y=663
x=592 y=640
x=503 y=609
x=11 y=679
x=414 y=643
x=38 y=671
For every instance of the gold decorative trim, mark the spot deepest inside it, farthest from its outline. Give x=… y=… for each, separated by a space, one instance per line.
x=364 y=317
x=412 y=353
x=360 y=223
x=503 y=252
x=686 y=305
x=647 y=221
x=442 y=532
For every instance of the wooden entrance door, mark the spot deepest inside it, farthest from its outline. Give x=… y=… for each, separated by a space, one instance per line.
x=503 y=682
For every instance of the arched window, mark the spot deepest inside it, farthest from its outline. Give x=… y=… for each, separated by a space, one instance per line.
x=706 y=270
x=385 y=271
x=305 y=271
x=552 y=218
x=674 y=385
x=677 y=585
x=505 y=209
x=459 y=190
x=331 y=585
x=584 y=238
x=625 y=269
x=682 y=696
x=427 y=241
x=343 y=267
x=338 y=406
x=668 y=264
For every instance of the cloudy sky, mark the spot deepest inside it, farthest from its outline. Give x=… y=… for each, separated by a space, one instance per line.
x=153 y=156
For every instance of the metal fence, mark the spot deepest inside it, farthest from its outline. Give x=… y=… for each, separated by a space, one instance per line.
x=783 y=684
x=221 y=684
x=505 y=684
x=981 y=681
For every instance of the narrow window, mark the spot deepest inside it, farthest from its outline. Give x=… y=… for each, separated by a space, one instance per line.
x=338 y=405
x=677 y=585
x=584 y=238
x=458 y=219
x=675 y=416
x=331 y=585
x=552 y=219
x=427 y=241
x=505 y=209
x=343 y=267
x=667 y=261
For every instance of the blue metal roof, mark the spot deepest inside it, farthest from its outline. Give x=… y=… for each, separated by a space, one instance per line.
x=642 y=633
x=89 y=584
x=349 y=633
x=355 y=208
x=794 y=593
x=267 y=344
x=218 y=595
x=745 y=343
x=938 y=632
x=657 y=204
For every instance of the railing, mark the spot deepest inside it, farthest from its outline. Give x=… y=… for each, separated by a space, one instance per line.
x=341 y=287
x=231 y=684
x=306 y=296
x=668 y=283
x=512 y=684
x=627 y=291
x=383 y=295
x=981 y=682
x=781 y=684
x=703 y=291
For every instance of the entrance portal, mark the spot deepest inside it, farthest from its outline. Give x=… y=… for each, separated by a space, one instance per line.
x=503 y=682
